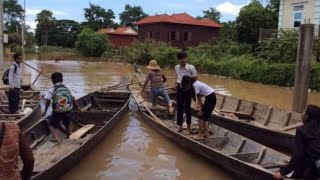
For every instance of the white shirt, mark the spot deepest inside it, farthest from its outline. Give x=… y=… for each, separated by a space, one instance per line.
x=15 y=77
x=188 y=70
x=202 y=88
x=49 y=93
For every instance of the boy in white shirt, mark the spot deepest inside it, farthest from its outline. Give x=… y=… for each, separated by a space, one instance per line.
x=205 y=110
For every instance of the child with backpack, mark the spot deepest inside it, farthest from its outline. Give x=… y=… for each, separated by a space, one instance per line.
x=12 y=78
x=62 y=104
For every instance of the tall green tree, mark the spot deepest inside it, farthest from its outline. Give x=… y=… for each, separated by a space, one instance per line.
x=131 y=14
x=64 y=33
x=12 y=13
x=273 y=12
x=45 y=21
x=229 y=31
x=91 y=44
x=252 y=17
x=212 y=14
x=98 y=17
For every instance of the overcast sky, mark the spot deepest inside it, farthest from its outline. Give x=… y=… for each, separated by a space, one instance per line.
x=73 y=9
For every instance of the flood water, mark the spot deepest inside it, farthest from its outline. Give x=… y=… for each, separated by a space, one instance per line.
x=133 y=150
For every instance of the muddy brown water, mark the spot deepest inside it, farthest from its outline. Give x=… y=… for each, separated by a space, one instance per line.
x=133 y=150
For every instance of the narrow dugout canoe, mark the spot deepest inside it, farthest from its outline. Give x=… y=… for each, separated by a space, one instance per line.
x=103 y=109
x=29 y=109
x=243 y=157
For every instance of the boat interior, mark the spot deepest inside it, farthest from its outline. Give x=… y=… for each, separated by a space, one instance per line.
x=97 y=109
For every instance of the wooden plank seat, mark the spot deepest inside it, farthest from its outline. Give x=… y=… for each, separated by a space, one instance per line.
x=20 y=105
x=247 y=157
x=111 y=100
x=11 y=115
x=82 y=131
x=274 y=165
x=240 y=115
x=216 y=142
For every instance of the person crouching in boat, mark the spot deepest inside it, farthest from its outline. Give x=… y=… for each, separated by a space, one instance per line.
x=205 y=110
x=12 y=145
x=305 y=162
x=157 y=79
x=62 y=104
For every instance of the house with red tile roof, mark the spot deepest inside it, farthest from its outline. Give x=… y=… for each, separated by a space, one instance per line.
x=121 y=37
x=180 y=30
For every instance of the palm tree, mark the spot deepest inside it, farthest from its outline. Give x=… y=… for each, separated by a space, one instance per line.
x=45 y=22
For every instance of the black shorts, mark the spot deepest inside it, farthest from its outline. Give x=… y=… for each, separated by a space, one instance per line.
x=208 y=106
x=57 y=118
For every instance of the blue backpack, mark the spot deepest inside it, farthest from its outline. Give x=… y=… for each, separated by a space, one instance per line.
x=5 y=77
x=61 y=99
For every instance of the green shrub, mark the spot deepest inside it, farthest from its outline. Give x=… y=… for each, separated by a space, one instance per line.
x=91 y=44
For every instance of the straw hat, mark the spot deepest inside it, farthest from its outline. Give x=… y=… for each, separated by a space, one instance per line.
x=153 y=65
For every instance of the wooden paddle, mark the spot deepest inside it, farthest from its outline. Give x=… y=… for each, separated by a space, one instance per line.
x=36 y=70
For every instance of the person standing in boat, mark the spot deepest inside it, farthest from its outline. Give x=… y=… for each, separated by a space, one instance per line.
x=183 y=97
x=62 y=104
x=157 y=79
x=305 y=162
x=205 y=110
x=15 y=83
x=12 y=145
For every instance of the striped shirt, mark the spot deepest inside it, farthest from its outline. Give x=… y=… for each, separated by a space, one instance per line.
x=15 y=76
x=156 y=77
x=13 y=145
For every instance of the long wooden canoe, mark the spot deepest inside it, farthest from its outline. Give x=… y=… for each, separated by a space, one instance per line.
x=29 y=109
x=102 y=111
x=243 y=157
x=270 y=126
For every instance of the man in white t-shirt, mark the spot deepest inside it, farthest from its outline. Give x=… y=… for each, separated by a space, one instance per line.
x=183 y=97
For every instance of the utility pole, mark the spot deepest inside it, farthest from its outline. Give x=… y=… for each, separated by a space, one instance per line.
x=303 y=65
x=1 y=35
x=23 y=30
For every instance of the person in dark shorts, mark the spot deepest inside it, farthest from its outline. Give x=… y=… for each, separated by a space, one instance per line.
x=205 y=109
x=62 y=105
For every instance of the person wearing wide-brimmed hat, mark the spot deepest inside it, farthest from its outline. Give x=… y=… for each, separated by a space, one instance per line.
x=157 y=79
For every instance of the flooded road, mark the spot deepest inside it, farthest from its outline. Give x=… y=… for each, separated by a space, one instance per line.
x=133 y=150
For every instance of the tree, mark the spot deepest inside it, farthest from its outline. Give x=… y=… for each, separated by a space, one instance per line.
x=131 y=14
x=273 y=12
x=45 y=21
x=64 y=33
x=229 y=30
x=252 y=17
x=12 y=13
x=212 y=14
x=97 y=17
x=91 y=44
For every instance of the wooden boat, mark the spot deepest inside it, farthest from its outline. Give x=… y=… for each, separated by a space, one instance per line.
x=29 y=109
x=245 y=158
x=267 y=125
x=101 y=111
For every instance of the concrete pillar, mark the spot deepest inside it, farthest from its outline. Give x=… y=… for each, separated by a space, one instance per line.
x=303 y=63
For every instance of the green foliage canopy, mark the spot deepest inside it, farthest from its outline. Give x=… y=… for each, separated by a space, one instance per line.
x=131 y=14
x=98 y=17
x=91 y=44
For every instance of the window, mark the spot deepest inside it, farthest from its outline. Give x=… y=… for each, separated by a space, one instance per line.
x=174 y=36
x=149 y=35
x=157 y=35
x=298 y=11
x=187 y=36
